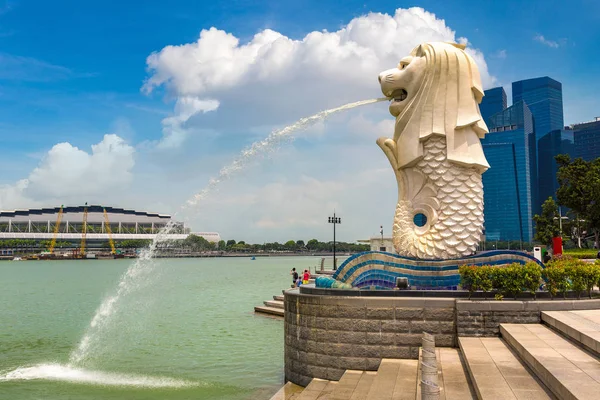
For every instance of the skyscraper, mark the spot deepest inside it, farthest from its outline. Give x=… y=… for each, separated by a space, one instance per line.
x=587 y=139
x=543 y=96
x=494 y=101
x=556 y=142
x=509 y=186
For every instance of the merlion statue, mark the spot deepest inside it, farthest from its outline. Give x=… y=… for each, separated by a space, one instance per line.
x=436 y=151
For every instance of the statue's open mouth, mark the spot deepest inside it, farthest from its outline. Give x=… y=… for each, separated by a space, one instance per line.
x=399 y=95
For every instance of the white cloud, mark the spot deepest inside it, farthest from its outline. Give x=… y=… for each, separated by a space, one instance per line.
x=501 y=54
x=69 y=173
x=242 y=90
x=273 y=79
x=290 y=195
x=174 y=129
x=547 y=42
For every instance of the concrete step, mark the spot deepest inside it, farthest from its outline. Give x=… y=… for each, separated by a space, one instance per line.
x=317 y=389
x=274 y=304
x=269 y=310
x=496 y=373
x=346 y=386
x=364 y=385
x=278 y=297
x=453 y=376
x=396 y=379
x=581 y=326
x=289 y=391
x=567 y=370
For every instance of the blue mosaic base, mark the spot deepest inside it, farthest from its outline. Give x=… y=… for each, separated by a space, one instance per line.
x=379 y=270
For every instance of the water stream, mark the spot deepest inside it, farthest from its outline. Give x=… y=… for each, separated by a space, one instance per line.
x=140 y=271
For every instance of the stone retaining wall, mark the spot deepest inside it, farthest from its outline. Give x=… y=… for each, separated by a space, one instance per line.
x=483 y=318
x=326 y=335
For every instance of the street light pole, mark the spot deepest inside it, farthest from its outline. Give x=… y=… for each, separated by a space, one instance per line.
x=334 y=220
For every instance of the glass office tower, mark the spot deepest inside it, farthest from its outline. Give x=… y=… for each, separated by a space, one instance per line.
x=494 y=101
x=587 y=139
x=509 y=186
x=543 y=96
x=549 y=146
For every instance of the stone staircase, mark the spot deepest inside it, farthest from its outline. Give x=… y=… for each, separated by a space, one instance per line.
x=396 y=379
x=272 y=307
x=556 y=359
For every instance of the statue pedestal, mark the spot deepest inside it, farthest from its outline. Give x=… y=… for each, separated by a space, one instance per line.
x=379 y=270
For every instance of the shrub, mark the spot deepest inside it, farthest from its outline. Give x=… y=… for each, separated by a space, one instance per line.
x=571 y=273
x=484 y=278
x=557 y=279
x=514 y=279
x=563 y=273
x=531 y=275
x=467 y=272
x=475 y=278
x=590 y=275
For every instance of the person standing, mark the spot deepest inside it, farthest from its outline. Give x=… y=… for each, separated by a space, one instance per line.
x=294 y=276
x=305 y=277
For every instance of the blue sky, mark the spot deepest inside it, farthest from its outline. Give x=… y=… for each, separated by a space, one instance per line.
x=72 y=72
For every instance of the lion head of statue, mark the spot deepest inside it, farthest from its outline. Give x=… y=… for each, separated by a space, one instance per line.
x=436 y=90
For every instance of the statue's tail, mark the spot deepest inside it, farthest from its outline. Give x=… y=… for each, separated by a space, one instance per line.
x=440 y=207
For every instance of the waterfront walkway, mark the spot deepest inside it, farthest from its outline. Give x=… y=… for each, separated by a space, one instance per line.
x=558 y=358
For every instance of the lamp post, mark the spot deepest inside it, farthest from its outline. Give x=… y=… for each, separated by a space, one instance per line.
x=334 y=220
x=560 y=219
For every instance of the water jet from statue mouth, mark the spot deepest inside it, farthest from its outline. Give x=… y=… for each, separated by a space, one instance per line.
x=398 y=95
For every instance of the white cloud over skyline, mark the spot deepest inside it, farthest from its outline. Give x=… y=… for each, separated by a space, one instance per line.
x=67 y=173
x=239 y=92
x=273 y=79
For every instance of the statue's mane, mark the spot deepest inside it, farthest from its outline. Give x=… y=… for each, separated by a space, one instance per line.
x=447 y=104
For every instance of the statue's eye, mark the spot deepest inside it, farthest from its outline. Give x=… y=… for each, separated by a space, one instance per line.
x=402 y=65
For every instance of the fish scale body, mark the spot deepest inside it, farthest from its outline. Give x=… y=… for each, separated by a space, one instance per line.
x=449 y=195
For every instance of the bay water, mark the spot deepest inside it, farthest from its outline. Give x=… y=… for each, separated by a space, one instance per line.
x=188 y=331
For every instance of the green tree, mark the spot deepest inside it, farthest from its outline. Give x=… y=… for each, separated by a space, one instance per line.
x=546 y=225
x=230 y=243
x=222 y=245
x=198 y=243
x=290 y=245
x=300 y=244
x=312 y=244
x=579 y=189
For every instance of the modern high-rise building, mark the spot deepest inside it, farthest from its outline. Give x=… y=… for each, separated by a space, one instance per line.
x=587 y=139
x=543 y=96
x=494 y=101
x=521 y=146
x=509 y=186
x=556 y=142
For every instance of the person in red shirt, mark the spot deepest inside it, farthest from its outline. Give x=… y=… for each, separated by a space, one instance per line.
x=305 y=277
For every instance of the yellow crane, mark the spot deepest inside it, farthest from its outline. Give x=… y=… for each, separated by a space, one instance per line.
x=83 y=231
x=107 y=228
x=56 y=229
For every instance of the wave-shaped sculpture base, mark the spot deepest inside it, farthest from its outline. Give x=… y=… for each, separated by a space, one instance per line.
x=379 y=270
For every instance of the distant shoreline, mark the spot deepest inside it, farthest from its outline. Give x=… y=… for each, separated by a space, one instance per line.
x=205 y=255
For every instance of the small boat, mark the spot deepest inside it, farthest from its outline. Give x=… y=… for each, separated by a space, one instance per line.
x=253 y=258
x=17 y=259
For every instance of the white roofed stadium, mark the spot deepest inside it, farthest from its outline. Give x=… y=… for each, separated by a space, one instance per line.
x=124 y=224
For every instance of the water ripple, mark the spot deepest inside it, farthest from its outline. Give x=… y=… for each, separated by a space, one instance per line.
x=66 y=373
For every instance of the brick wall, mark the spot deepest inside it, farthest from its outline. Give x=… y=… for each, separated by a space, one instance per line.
x=483 y=318
x=326 y=335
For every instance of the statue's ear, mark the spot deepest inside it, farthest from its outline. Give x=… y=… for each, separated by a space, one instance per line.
x=418 y=51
